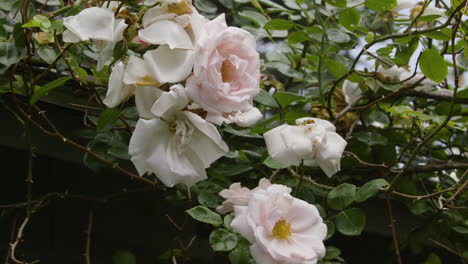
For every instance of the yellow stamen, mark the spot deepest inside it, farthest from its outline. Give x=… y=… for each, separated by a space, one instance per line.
x=181 y=8
x=307 y=122
x=227 y=70
x=282 y=230
x=148 y=81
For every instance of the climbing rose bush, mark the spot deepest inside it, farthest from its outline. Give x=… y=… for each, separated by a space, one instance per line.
x=274 y=125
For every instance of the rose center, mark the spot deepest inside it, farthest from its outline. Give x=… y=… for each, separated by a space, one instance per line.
x=228 y=71
x=282 y=230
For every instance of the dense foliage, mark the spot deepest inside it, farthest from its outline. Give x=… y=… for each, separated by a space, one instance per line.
x=388 y=75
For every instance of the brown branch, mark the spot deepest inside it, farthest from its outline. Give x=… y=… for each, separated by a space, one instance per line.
x=393 y=229
x=446 y=247
x=88 y=237
x=448 y=165
x=432 y=96
x=458 y=193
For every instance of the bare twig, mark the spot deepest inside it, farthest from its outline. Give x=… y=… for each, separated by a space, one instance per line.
x=393 y=229
x=88 y=237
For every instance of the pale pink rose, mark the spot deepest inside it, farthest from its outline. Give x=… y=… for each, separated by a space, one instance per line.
x=238 y=195
x=226 y=73
x=281 y=228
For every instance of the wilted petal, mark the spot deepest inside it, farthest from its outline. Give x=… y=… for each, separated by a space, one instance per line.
x=247 y=118
x=317 y=121
x=169 y=65
x=92 y=23
x=329 y=166
x=117 y=91
x=333 y=146
x=145 y=97
x=166 y=32
x=278 y=149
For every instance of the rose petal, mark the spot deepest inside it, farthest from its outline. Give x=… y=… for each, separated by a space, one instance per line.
x=145 y=97
x=169 y=65
x=166 y=32
x=240 y=223
x=333 y=146
x=117 y=91
x=142 y=143
x=169 y=103
x=248 y=118
x=136 y=69
x=209 y=145
x=94 y=22
x=278 y=149
x=107 y=48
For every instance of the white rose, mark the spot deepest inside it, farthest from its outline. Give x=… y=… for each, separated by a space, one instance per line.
x=311 y=139
x=178 y=145
x=281 y=228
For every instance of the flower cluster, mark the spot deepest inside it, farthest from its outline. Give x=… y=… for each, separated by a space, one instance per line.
x=281 y=228
x=202 y=73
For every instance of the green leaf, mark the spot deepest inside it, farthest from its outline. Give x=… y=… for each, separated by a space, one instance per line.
x=444 y=34
x=278 y=24
x=369 y=189
x=332 y=253
x=433 y=65
x=341 y=196
x=222 y=240
x=381 y=5
x=108 y=118
x=209 y=199
x=241 y=254
x=205 y=215
x=286 y=98
x=120 y=49
x=123 y=257
x=404 y=52
x=274 y=164
x=337 y=36
x=335 y=68
x=351 y=222
x=206 y=6
x=47 y=54
x=32 y=23
x=350 y=18
x=265 y=98
x=8 y=53
x=297 y=37
x=41 y=91
x=254 y=16
x=461 y=229
x=433 y=259
x=44 y=22
x=337 y=3
x=330 y=229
